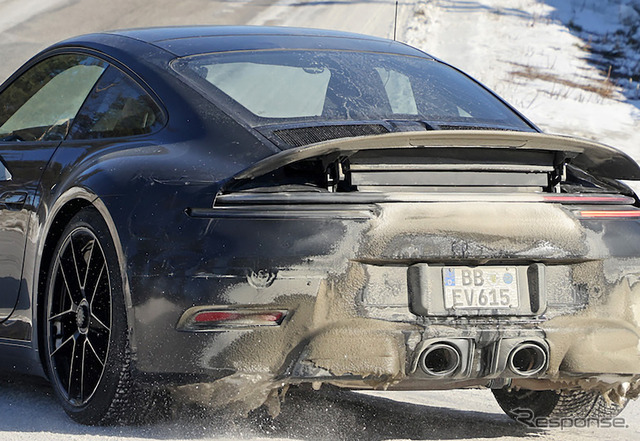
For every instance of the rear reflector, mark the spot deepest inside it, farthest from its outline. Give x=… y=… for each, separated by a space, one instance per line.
x=219 y=316
x=216 y=316
x=610 y=214
x=580 y=199
x=203 y=319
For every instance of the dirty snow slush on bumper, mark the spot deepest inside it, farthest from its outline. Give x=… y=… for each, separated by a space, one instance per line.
x=430 y=290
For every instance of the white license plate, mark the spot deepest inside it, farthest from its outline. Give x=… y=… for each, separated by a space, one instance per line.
x=492 y=287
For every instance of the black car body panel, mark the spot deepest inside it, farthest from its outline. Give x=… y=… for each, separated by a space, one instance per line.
x=328 y=262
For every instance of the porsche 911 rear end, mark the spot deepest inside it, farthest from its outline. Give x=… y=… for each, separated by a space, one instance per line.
x=434 y=261
x=414 y=232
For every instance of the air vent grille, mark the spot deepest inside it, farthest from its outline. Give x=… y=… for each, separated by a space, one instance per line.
x=308 y=135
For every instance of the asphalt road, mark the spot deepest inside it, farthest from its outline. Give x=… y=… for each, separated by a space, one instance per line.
x=28 y=26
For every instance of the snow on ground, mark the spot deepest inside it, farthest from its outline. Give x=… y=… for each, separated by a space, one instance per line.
x=524 y=51
x=611 y=30
x=28 y=411
x=537 y=54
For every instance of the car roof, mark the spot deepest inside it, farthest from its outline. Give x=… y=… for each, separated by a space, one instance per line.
x=190 y=40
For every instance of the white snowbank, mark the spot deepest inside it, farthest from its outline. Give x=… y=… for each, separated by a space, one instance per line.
x=523 y=50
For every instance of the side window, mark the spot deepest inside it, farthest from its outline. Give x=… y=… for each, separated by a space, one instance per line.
x=117 y=107
x=41 y=104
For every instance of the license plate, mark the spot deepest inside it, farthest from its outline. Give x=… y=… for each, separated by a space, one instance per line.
x=480 y=288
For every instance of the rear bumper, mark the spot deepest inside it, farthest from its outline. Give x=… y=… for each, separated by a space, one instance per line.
x=351 y=318
x=370 y=342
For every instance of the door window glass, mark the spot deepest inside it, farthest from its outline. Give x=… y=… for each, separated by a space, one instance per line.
x=41 y=104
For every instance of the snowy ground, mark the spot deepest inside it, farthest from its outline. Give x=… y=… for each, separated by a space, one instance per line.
x=538 y=54
x=28 y=411
x=524 y=51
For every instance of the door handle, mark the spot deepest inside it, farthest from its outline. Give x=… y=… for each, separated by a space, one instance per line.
x=13 y=199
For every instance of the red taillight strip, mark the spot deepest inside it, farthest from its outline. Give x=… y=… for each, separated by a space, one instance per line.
x=576 y=199
x=216 y=316
x=200 y=319
x=254 y=317
x=610 y=214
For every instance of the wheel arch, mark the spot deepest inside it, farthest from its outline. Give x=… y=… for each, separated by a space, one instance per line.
x=58 y=217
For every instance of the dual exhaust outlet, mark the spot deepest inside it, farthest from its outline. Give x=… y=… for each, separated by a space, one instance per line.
x=527 y=359
x=452 y=357
x=440 y=360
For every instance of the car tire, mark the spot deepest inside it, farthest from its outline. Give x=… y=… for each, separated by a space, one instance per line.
x=528 y=406
x=86 y=342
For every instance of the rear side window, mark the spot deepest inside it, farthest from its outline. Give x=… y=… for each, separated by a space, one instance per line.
x=117 y=107
x=41 y=103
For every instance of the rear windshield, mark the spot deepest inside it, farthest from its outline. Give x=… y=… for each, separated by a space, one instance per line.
x=288 y=86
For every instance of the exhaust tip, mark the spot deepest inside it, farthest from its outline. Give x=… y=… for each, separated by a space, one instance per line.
x=527 y=359
x=440 y=360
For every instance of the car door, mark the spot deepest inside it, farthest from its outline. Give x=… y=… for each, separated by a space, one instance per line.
x=36 y=111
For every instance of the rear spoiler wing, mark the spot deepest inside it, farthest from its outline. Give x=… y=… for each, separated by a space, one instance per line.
x=598 y=159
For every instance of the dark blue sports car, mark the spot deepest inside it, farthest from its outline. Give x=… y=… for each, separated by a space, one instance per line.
x=223 y=212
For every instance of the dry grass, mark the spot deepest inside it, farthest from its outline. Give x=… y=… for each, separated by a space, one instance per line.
x=605 y=88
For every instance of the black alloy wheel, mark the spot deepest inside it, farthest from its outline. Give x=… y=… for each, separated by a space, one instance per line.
x=86 y=341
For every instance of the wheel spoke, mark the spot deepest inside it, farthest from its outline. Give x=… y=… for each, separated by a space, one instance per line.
x=75 y=263
x=73 y=357
x=62 y=345
x=95 y=353
x=66 y=282
x=61 y=314
x=95 y=288
x=98 y=321
x=84 y=348
x=86 y=274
